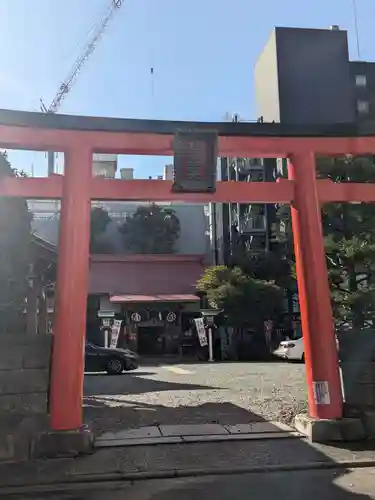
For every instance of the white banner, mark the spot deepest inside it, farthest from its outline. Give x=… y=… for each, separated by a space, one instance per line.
x=115 y=333
x=199 y=323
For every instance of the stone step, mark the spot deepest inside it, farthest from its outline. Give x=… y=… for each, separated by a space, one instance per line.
x=171 y=434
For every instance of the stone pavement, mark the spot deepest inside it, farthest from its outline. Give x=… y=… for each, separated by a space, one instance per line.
x=221 y=393
x=352 y=484
x=120 y=467
x=174 y=434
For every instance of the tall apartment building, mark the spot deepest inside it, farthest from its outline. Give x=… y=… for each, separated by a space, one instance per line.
x=304 y=76
x=249 y=225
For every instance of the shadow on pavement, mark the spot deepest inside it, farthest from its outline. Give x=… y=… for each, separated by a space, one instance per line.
x=130 y=401
x=360 y=446
x=115 y=414
x=119 y=405
x=133 y=383
x=147 y=362
x=219 y=470
x=101 y=374
x=311 y=485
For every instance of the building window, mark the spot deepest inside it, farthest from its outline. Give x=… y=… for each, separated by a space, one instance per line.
x=363 y=107
x=361 y=80
x=50 y=303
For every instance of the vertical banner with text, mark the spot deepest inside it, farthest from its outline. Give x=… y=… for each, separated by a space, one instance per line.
x=115 y=333
x=201 y=330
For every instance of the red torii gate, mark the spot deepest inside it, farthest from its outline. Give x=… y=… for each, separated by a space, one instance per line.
x=80 y=137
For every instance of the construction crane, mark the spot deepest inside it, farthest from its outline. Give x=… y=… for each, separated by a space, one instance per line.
x=68 y=83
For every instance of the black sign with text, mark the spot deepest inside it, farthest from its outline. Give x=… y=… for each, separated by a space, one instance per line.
x=195 y=161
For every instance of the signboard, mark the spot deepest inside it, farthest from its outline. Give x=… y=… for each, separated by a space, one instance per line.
x=195 y=161
x=115 y=333
x=321 y=392
x=202 y=336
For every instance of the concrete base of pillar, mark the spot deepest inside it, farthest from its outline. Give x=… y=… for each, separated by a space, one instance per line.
x=64 y=444
x=344 y=430
x=17 y=433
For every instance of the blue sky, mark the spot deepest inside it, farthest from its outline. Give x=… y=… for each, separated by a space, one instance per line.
x=202 y=51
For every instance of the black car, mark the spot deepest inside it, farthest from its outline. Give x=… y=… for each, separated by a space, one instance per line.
x=113 y=361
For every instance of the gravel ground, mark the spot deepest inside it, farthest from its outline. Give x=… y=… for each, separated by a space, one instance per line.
x=226 y=393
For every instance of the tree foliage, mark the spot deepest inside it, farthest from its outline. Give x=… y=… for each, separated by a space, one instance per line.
x=266 y=266
x=349 y=237
x=15 y=240
x=244 y=300
x=151 y=229
x=349 y=231
x=98 y=225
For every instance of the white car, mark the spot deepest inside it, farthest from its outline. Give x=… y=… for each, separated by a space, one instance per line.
x=291 y=349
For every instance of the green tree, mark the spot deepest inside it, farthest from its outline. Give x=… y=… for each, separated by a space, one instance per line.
x=276 y=265
x=244 y=300
x=349 y=237
x=15 y=240
x=98 y=225
x=151 y=229
x=349 y=231
x=266 y=266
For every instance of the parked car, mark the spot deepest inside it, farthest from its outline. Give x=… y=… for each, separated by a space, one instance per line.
x=113 y=361
x=292 y=350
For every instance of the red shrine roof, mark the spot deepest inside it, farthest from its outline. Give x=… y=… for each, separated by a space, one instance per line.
x=146 y=278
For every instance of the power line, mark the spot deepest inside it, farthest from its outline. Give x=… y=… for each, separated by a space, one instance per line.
x=355 y=12
x=152 y=15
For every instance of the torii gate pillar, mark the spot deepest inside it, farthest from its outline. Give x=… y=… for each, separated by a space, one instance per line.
x=322 y=371
x=67 y=367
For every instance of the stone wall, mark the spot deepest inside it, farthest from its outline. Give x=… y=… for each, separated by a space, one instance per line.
x=357 y=356
x=24 y=385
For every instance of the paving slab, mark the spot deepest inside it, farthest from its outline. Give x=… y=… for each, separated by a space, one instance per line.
x=258 y=427
x=241 y=437
x=141 y=433
x=339 y=484
x=111 y=443
x=192 y=430
x=234 y=455
x=353 y=484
